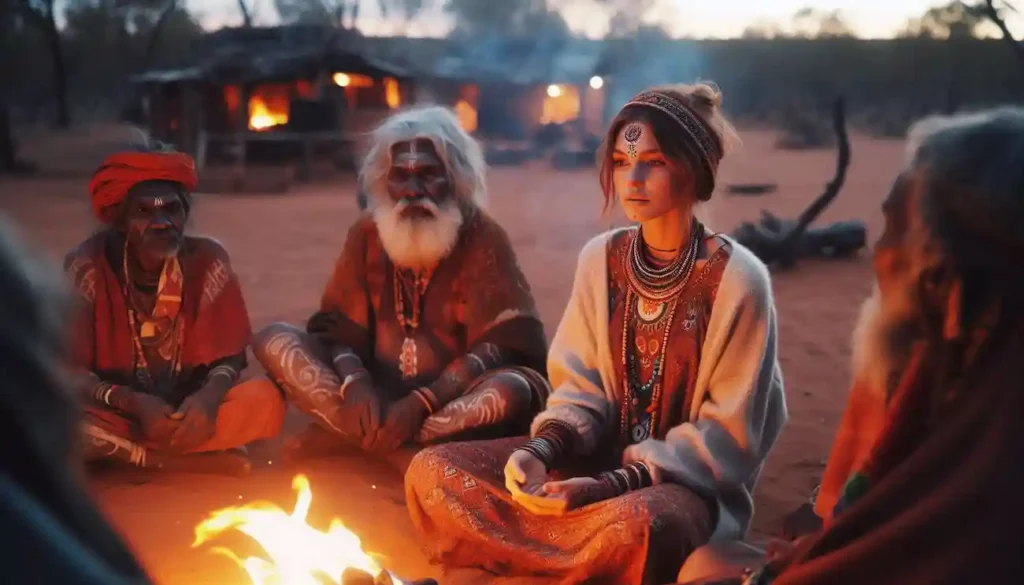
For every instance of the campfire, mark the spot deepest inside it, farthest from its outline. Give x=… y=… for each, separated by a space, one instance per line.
x=299 y=554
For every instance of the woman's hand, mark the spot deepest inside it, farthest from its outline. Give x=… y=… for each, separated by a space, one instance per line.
x=524 y=473
x=558 y=497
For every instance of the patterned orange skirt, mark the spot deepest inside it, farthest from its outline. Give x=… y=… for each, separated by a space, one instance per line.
x=466 y=518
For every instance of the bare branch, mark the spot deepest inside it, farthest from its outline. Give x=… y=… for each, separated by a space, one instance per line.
x=788 y=244
x=154 y=35
x=993 y=15
x=246 y=13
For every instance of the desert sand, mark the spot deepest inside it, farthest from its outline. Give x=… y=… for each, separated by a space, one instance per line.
x=283 y=247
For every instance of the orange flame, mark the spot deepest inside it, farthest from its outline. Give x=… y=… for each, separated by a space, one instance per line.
x=261 y=116
x=299 y=553
x=466 y=115
x=561 y=104
x=391 y=93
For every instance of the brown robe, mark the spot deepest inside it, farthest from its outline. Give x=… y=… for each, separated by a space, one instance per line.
x=476 y=295
x=466 y=517
x=213 y=313
x=942 y=504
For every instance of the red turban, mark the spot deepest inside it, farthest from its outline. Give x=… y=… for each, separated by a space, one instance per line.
x=122 y=171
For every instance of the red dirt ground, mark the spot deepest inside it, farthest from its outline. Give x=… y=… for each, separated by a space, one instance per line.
x=284 y=246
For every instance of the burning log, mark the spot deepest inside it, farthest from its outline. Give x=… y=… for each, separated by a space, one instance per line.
x=779 y=241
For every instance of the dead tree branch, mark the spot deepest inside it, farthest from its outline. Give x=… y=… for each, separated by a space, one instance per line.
x=778 y=241
x=787 y=246
x=154 y=35
x=246 y=13
x=993 y=15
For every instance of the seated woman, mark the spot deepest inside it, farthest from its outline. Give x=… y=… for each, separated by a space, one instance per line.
x=936 y=498
x=666 y=384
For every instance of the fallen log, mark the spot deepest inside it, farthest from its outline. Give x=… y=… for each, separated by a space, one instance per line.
x=782 y=242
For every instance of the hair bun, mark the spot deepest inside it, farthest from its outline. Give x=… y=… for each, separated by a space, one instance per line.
x=705 y=95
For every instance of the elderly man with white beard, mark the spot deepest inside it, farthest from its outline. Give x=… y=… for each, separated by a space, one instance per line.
x=923 y=482
x=427 y=330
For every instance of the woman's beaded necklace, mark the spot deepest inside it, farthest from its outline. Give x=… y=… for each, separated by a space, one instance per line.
x=659 y=285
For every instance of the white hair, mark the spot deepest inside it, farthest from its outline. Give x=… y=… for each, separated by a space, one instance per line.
x=420 y=243
x=459 y=152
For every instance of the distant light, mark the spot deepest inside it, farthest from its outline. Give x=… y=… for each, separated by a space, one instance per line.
x=596 y=82
x=342 y=79
x=554 y=91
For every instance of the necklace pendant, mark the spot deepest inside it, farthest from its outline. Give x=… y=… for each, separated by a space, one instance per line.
x=642 y=429
x=649 y=310
x=407 y=360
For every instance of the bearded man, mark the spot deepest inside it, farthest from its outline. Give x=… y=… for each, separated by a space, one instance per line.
x=427 y=329
x=161 y=330
x=936 y=498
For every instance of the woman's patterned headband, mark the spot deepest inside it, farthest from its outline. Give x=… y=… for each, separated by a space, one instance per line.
x=705 y=143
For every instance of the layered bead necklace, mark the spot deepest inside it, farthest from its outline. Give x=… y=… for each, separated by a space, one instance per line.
x=651 y=291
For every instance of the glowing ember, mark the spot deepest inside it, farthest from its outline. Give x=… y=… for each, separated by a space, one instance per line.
x=299 y=553
x=262 y=117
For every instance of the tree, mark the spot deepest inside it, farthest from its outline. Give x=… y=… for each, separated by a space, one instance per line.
x=954 y=20
x=820 y=24
x=342 y=13
x=40 y=14
x=992 y=13
x=476 y=19
x=247 y=14
x=763 y=29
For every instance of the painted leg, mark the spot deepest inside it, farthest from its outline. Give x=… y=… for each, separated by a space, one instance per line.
x=496 y=404
x=108 y=436
x=293 y=361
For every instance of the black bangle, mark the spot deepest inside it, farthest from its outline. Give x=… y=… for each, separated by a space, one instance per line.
x=644 y=477
x=561 y=436
x=542 y=449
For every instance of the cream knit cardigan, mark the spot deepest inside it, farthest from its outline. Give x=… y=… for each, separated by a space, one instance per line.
x=739 y=405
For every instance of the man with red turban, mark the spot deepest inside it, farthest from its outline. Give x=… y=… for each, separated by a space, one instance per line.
x=161 y=329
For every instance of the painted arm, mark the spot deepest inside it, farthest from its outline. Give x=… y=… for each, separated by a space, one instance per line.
x=498 y=312
x=344 y=323
x=579 y=411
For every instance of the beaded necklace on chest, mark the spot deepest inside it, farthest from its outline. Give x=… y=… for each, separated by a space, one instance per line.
x=407 y=361
x=140 y=364
x=651 y=292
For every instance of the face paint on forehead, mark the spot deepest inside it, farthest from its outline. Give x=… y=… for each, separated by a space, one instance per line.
x=632 y=136
x=414 y=153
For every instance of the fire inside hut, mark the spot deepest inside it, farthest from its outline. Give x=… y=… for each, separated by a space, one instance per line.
x=561 y=104
x=466 y=107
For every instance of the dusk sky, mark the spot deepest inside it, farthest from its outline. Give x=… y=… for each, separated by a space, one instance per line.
x=717 y=18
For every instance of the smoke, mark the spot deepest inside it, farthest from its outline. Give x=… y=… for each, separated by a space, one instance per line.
x=650 y=58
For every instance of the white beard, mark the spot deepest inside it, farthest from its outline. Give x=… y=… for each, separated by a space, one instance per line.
x=421 y=242
x=881 y=343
